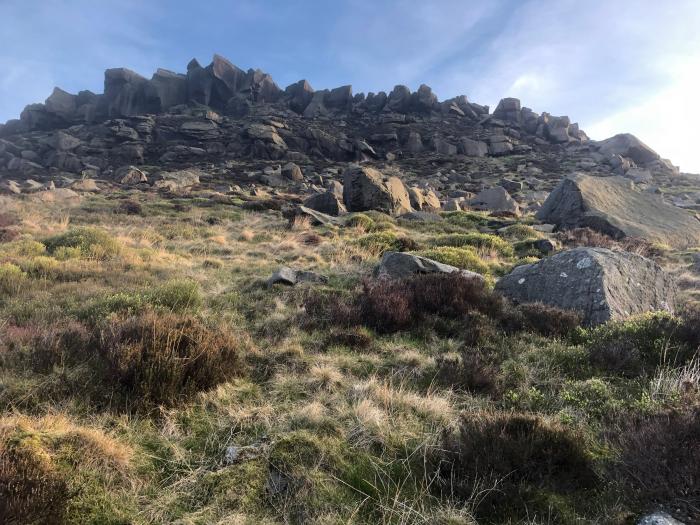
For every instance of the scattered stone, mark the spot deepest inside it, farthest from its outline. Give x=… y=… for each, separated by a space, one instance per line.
x=317 y=217
x=600 y=284
x=397 y=265
x=291 y=276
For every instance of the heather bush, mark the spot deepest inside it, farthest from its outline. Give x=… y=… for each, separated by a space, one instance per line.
x=659 y=458
x=156 y=359
x=527 y=457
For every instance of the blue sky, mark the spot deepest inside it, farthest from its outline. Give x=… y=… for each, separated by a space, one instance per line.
x=612 y=65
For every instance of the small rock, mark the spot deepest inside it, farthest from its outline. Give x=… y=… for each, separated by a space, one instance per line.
x=291 y=276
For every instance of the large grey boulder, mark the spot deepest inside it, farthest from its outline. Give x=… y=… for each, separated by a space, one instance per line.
x=495 y=199
x=598 y=283
x=178 y=180
x=328 y=202
x=613 y=206
x=473 y=148
x=629 y=146
x=398 y=265
x=365 y=189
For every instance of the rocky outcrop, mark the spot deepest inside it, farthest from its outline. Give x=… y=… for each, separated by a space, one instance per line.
x=613 y=206
x=598 y=283
x=366 y=189
x=398 y=265
x=630 y=147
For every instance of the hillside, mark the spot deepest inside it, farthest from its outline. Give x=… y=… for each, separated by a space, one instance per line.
x=226 y=302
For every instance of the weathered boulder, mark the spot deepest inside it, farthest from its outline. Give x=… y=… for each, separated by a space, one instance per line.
x=508 y=109
x=316 y=217
x=629 y=146
x=130 y=175
x=291 y=171
x=169 y=88
x=613 y=206
x=423 y=199
x=177 y=180
x=397 y=265
x=598 y=283
x=299 y=96
x=472 y=148
x=495 y=199
x=365 y=189
x=329 y=203
x=500 y=145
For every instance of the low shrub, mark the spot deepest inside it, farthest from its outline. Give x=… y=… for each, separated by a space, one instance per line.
x=588 y=237
x=89 y=243
x=547 y=320
x=637 y=346
x=519 y=232
x=390 y=305
x=177 y=295
x=158 y=359
x=465 y=258
x=31 y=490
x=12 y=279
x=380 y=242
x=658 y=461
x=481 y=241
x=526 y=455
x=361 y=221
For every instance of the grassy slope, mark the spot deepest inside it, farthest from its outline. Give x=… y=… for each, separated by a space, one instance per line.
x=331 y=424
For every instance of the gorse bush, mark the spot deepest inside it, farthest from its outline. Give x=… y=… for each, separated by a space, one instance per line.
x=89 y=243
x=465 y=258
x=12 y=279
x=158 y=359
x=481 y=241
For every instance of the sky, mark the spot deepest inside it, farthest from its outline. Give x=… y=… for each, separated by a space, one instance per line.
x=612 y=65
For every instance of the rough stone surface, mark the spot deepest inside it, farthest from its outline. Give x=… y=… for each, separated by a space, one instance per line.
x=292 y=276
x=629 y=146
x=397 y=265
x=329 y=203
x=598 y=283
x=365 y=189
x=613 y=206
x=495 y=199
x=659 y=518
x=178 y=180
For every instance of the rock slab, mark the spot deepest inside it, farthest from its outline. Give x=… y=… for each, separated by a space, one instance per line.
x=600 y=284
x=613 y=206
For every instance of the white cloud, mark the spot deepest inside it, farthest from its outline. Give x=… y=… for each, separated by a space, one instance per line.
x=667 y=119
